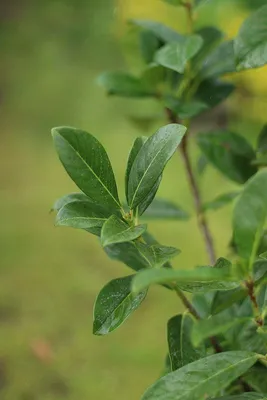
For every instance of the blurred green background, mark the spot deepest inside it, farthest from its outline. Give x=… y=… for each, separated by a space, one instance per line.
x=52 y=51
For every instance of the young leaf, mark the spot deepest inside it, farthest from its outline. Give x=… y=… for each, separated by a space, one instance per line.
x=88 y=165
x=151 y=160
x=114 y=304
x=115 y=230
x=165 y=209
x=176 y=55
x=220 y=62
x=250 y=214
x=262 y=140
x=200 y=275
x=220 y=201
x=149 y=44
x=213 y=326
x=223 y=300
x=250 y=45
x=156 y=255
x=212 y=92
x=181 y=350
x=82 y=215
x=204 y=377
x=125 y=85
x=230 y=153
x=69 y=198
x=161 y=31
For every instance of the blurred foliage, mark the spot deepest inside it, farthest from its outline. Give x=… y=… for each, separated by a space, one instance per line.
x=51 y=53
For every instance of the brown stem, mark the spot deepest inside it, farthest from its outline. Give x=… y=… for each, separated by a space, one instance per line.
x=202 y=221
x=251 y=292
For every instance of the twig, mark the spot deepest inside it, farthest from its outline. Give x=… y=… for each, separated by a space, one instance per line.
x=202 y=221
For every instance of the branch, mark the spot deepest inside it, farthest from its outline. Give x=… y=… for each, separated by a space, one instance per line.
x=202 y=221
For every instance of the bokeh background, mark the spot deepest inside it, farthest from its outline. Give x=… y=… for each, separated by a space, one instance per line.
x=51 y=54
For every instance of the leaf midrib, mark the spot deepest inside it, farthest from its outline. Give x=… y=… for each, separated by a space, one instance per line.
x=85 y=218
x=145 y=172
x=92 y=171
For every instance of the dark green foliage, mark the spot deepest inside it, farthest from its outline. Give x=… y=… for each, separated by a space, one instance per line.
x=217 y=348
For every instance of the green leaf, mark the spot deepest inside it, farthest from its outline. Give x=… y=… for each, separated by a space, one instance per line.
x=223 y=300
x=211 y=37
x=125 y=85
x=69 y=198
x=181 y=350
x=115 y=230
x=213 y=326
x=230 y=153
x=220 y=62
x=263 y=255
x=156 y=255
x=262 y=140
x=249 y=339
x=161 y=31
x=138 y=143
x=82 y=215
x=205 y=287
x=250 y=45
x=114 y=304
x=244 y=396
x=185 y=110
x=176 y=55
x=220 y=201
x=165 y=209
x=204 y=377
x=250 y=214
x=200 y=275
x=88 y=165
x=202 y=164
x=151 y=160
x=256 y=377
x=212 y=92
x=128 y=254
x=149 y=44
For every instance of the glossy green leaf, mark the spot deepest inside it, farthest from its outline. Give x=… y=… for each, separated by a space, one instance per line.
x=156 y=255
x=248 y=338
x=249 y=216
x=200 y=275
x=114 y=304
x=82 y=215
x=185 y=110
x=250 y=45
x=263 y=255
x=88 y=165
x=69 y=198
x=213 y=326
x=204 y=377
x=161 y=31
x=176 y=55
x=149 y=44
x=212 y=92
x=230 y=153
x=225 y=299
x=128 y=254
x=220 y=201
x=244 y=396
x=165 y=209
x=181 y=350
x=262 y=140
x=220 y=62
x=125 y=85
x=256 y=378
x=151 y=160
x=115 y=230
x=138 y=143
